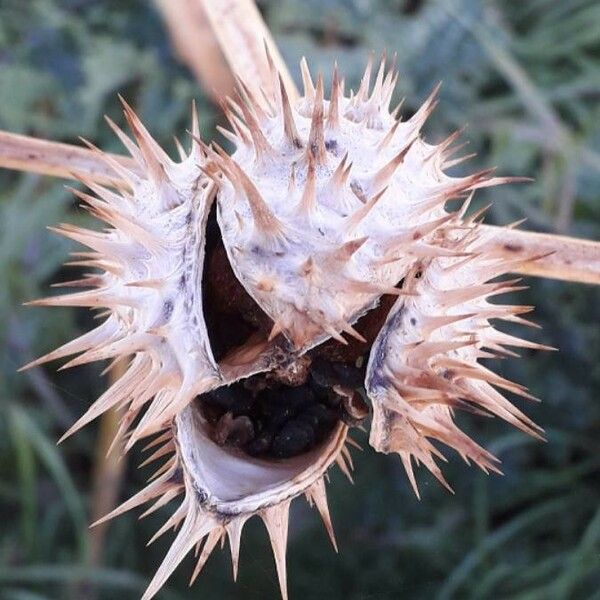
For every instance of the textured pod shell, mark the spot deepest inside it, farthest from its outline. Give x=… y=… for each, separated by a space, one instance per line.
x=327 y=205
x=324 y=207
x=151 y=258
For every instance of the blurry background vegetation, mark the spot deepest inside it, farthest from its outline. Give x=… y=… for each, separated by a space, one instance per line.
x=525 y=76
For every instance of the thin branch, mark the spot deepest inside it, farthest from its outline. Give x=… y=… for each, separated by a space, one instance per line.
x=24 y=153
x=108 y=473
x=568 y=258
x=242 y=34
x=195 y=43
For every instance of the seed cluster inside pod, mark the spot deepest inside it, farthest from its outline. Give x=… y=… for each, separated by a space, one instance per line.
x=290 y=409
x=268 y=419
x=257 y=291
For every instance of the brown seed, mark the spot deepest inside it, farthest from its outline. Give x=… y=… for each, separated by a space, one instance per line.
x=237 y=431
x=354 y=407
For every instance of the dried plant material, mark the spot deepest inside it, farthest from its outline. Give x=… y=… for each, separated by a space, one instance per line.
x=328 y=205
x=194 y=41
x=238 y=26
x=24 y=153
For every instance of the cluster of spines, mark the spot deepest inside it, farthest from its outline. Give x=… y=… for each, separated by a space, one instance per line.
x=202 y=528
x=134 y=263
x=323 y=292
x=424 y=364
x=418 y=395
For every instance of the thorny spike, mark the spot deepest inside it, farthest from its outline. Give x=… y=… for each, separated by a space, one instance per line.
x=406 y=458
x=289 y=126
x=457 y=161
x=363 y=90
x=99 y=335
x=334 y=333
x=153 y=156
x=364 y=210
x=131 y=116
x=340 y=175
x=396 y=111
x=347 y=328
x=196 y=150
x=419 y=118
x=333 y=115
x=195 y=526
x=316 y=138
x=180 y=149
x=277 y=328
x=264 y=219
x=383 y=176
x=317 y=494
x=234 y=533
x=262 y=147
x=125 y=140
x=213 y=538
x=344 y=468
x=345 y=252
x=234 y=139
x=276 y=521
x=271 y=63
x=389 y=136
x=248 y=98
x=377 y=86
x=309 y=88
x=308 y=200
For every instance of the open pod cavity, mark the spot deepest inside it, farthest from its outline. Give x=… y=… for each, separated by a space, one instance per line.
x=252 y=290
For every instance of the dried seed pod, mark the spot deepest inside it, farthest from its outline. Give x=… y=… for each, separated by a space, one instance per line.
x=324 y=207
x=151 y=260
x=424 y=362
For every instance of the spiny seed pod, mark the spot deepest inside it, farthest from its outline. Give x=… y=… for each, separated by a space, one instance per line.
x=240 y=368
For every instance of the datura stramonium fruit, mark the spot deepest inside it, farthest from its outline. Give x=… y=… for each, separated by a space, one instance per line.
x=232 y=281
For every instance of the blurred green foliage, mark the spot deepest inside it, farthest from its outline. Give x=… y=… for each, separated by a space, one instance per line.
x=525 y=76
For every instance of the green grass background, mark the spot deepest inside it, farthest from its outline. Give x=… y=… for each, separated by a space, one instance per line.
x=525 y=77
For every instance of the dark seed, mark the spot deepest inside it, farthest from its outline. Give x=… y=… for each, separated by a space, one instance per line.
x=325 y=417
x=322 y=373
x=235 y=431
x=292 y=440
x=298 y=397
x=260 y=445
x=354 y=408
x=242 y=431
x=222 y=398
x=348 y=374
x=309 y=419
x=327 y=374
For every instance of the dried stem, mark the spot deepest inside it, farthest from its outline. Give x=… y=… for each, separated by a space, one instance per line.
x=108 y=473
x=242 y=34
x=195 y=43
x=568 y=259
x=24 y=153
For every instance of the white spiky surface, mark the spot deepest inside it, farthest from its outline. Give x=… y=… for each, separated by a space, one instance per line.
x=152 y=259
x=323 y=207
x=327 y=204
x=424 y=363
